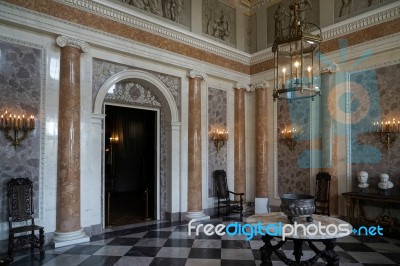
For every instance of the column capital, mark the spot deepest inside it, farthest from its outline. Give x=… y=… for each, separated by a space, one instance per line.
x=261 y=85
x=332 y=68
x=241 y=85
x=198 y=74
x=63 y=41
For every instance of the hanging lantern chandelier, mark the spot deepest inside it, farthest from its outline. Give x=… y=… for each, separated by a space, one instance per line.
x=296 y=53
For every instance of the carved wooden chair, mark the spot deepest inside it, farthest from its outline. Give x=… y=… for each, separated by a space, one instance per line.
x=322 y=193
x=223 y=195
x=20 y=209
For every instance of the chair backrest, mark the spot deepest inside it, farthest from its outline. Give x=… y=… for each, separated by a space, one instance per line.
x=322 y=187
x=221 y=183
x=20 y=205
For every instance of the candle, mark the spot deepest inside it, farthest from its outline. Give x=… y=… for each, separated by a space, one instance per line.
x=309 y=74
x=19 y=122
x=284 y=74
x=24 y=122
x=1 y=122
x=296 y=65
x=32 y=122
x=15 y=122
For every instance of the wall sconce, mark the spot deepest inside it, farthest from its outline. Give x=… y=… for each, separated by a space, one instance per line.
x=219 y=136
x=289 y=137
x=16 y=128
x=114 y=140
x=386 y=132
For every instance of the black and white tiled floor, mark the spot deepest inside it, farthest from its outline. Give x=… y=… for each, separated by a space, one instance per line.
x=165 y=243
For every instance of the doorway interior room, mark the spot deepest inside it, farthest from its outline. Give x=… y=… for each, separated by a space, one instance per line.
x=130 y=164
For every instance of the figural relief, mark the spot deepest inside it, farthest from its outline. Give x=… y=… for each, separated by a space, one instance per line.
x=170 y=9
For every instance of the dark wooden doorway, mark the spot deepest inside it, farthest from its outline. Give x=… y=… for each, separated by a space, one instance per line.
x=130 y=165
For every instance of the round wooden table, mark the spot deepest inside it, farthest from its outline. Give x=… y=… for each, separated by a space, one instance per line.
x=327 y=236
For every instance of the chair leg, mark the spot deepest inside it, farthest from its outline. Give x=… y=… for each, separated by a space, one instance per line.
x=241 y=208
x=32 y=242
x=41 y=243
x=11 y=247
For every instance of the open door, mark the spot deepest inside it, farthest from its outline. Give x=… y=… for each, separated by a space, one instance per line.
x=130 y=165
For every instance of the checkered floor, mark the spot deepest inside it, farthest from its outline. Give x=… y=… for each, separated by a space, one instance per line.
x=164 y=243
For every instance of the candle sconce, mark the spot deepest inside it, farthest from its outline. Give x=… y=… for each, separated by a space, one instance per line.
x=16 y=128
x=219 y=136
x=289 y=137
x=386 y=132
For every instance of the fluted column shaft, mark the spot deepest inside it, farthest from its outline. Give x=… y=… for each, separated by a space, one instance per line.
x=194 y=143
x=240 y=148
x=261 y=144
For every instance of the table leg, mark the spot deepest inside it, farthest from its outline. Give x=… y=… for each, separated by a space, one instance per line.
x=298 y=249
x=348 y=204
x=266 y=251
x=329 y=253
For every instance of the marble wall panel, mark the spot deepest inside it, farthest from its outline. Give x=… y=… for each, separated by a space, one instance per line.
x=312 y=17
x=294 y=165
x=173 y=10
x=20 y=87
x=217 y=119
x=219 y=21
x=375 y=97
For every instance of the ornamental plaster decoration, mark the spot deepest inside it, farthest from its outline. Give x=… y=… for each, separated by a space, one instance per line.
x=198 y=74
x=116 y=12
x=132 y=92
x=175 y=10
x=102 y=70
x=241 y=85
x=262 y=85
x=219 y=21
x=332 y=68
x=63 y=41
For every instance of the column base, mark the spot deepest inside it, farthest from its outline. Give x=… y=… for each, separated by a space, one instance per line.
x=62 y=239
x=198 y=216
x=261 y=206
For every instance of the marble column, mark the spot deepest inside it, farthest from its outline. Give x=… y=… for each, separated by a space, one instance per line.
x=68 y=213
x=329 y=140
x=240 y=144
x=195 y=186
x=261 y=184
